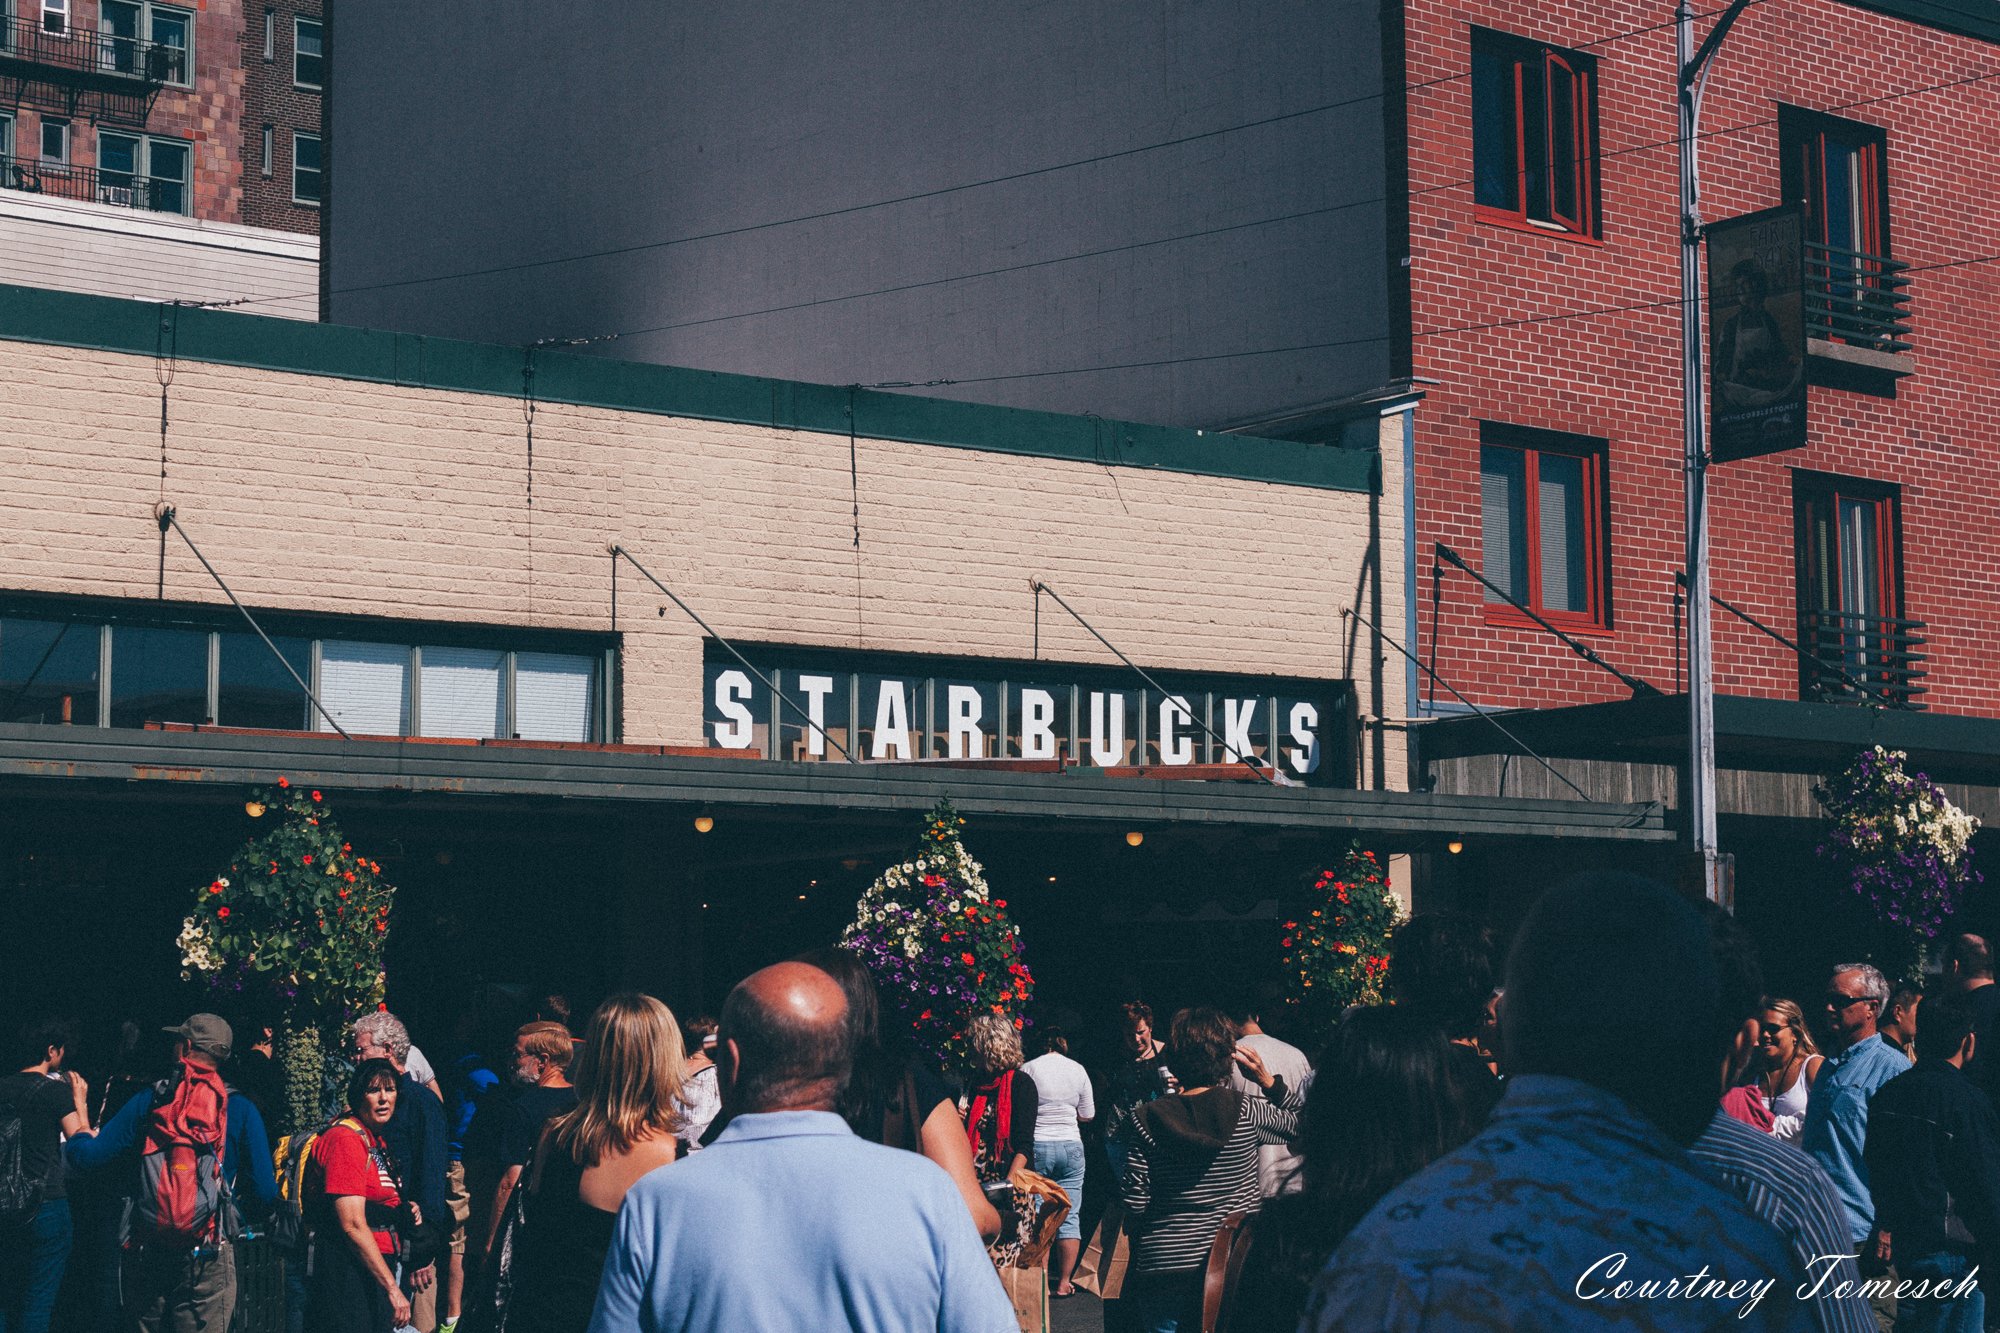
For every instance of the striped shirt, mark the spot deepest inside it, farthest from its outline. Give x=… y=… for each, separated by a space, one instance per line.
x=1176 y=1199
x=1794 y=1194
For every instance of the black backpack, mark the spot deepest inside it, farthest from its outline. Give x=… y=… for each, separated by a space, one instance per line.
x=20 y=1193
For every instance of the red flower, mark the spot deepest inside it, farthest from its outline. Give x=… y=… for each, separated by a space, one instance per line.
x=346 y=846
x=222 y=912
x=284 y=782
x=999 y=902
x=308 y=858
x=313 y=822
x=1285 y=943
x=966 y=958
x=215 y=888
x=343 y=893
x=315 y=796
x=349 y=877
x=381 y=926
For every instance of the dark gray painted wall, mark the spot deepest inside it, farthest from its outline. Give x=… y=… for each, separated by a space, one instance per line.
x=484 y=134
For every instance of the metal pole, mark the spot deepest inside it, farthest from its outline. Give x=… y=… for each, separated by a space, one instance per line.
x=1699 y=794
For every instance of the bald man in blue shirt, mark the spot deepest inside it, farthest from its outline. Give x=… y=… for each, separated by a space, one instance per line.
x=788 y=1220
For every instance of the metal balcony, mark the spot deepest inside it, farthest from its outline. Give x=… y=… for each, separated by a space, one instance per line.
x=1857 y=308
x=69 y=53
x=1856 y=658
x=121 y=189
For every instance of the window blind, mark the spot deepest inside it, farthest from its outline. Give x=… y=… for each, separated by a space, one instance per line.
x=552 y=696
x=366 y=687
x=1502 y=520
x=1565 y=583
x=461 y=693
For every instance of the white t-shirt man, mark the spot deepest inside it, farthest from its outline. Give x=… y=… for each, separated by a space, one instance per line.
x=1062 y=1089
x=1276 y=1162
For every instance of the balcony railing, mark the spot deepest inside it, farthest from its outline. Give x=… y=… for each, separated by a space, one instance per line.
x=123 y=189
x=1856 y=299
x=1853 y=657
x=77 y=50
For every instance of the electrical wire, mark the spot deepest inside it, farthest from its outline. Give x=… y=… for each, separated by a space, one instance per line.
x=919 y=196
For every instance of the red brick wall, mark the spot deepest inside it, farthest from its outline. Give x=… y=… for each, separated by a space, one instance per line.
x=1617 y=376
x=271 y=98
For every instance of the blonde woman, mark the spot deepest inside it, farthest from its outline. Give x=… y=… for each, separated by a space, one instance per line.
x=1791 y=1064
x=629 y=1086
x=1002 y=1106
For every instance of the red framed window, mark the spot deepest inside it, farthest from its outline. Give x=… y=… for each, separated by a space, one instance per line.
x=1542 y=508
x=1849 y=541
x=1837 y=169
x=1534 y=135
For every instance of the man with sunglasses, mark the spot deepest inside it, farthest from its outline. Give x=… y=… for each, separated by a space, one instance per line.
x=1859 y=1062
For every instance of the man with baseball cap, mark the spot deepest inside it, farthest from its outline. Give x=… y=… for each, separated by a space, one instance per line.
x=185 y=1289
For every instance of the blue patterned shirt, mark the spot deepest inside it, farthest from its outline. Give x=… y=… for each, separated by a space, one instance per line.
x=1836 y=1129
x=1569 y=1210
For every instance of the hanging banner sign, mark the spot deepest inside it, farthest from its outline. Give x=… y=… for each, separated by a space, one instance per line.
x=1756 y=334
x=886 y=708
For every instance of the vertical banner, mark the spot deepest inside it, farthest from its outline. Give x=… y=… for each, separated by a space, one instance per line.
x=1756 y=334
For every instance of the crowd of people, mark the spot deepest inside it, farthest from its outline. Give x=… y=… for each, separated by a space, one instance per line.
x=1619 y=1127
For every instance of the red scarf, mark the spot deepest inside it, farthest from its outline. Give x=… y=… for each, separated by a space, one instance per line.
x=997 y=1093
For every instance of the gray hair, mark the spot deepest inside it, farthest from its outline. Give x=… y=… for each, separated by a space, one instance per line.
x=995 y=1042
x=386 y=1030
x=1874 y=986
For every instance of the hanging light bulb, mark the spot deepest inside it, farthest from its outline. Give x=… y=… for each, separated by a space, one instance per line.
x=1454 y=846
x=704 y=822
x=254 y=809
x=1134 y=838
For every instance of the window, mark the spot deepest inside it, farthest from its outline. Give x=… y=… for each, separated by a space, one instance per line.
x=254 y=690
x=1835 y=169
x=55 y=140
x=306 y=177
x=140 y=171
x=264 y=154
x=193 y=665
x=158 y=675
x=1542 y=512
x=270 y=35
x=49 y=671
x=153 y=40
x=6 y=138
x=55 y=15
x=1850 y=584
x=308 y=62
x=1534 y=134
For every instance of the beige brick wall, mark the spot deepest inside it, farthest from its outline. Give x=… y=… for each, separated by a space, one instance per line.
x=327 y=495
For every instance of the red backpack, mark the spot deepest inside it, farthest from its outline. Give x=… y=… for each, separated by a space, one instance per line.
x=181 y=1194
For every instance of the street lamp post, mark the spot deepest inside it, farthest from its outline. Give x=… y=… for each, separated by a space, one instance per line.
x=1699 y=792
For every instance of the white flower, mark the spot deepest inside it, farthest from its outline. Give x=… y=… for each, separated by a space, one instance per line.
x=912 y=947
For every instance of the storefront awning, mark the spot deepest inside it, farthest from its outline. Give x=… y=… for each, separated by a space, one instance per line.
x=32 y=754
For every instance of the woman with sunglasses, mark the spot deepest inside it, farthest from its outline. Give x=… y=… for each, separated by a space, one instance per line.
x=1790 y=1065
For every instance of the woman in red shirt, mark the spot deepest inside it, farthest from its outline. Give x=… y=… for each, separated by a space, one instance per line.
x=351 y=1198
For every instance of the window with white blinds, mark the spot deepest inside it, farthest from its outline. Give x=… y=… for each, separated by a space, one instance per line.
x=1502 y=520
x=553 y=694
x=1541 y=506
x=460 y=692
x=365 y=687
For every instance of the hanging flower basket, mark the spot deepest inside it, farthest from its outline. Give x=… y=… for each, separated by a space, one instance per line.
x=1904 y=848
x=939 y=944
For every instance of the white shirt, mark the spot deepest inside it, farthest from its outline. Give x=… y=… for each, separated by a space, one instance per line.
x=1276 y=1162
x=1062 y=1087
x=419 y=1068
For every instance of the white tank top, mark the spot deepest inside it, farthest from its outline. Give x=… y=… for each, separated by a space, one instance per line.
x=1788 y=1109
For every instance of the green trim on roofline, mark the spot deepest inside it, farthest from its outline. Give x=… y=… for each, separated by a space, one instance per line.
x=224 y=337
x=1970 y=18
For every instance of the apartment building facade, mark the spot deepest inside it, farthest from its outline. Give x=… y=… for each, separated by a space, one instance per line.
x=162 y=151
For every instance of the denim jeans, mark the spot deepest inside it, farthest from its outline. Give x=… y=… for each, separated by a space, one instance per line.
x=1061 y=1160
x=32 y=1257
x=1931 y=1314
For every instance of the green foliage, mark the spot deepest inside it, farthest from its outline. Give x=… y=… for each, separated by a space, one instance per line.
x=1336 y=952
x=301 y=1055
x=300 y=916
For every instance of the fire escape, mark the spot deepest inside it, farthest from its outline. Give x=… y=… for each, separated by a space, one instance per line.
x=59 y=69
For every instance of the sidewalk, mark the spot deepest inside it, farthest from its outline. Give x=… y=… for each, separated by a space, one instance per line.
x=1081 y=1313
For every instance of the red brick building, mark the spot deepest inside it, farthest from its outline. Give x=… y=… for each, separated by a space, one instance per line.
x=1544 y=308
x=1545 y=332
x=160 y=150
